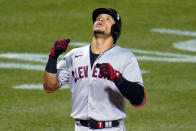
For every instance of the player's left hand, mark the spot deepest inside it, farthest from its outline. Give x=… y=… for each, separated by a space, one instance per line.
x=106 y=70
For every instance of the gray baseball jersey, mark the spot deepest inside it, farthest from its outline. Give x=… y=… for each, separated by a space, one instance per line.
x=92 y=95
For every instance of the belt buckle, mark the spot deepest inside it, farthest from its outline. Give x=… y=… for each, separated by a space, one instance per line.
x=95 y=124
x=100 y=124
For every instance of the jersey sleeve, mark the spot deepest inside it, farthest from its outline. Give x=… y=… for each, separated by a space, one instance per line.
x=63 y=69
x=131 y=70
x=132 y=73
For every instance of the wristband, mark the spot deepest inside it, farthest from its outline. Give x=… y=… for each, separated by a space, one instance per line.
x=51 y=65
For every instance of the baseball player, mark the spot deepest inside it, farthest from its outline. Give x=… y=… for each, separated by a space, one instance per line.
x=101 y=75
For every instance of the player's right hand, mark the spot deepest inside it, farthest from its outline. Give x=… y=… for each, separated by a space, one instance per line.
x=58 y=48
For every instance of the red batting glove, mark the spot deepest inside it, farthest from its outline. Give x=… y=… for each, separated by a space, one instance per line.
x=106 y=70
x=58 y=48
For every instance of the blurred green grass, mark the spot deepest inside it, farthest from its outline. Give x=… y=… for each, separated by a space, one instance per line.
x=33 y=26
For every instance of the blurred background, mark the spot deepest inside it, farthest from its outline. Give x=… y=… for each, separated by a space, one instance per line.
x=161 y=33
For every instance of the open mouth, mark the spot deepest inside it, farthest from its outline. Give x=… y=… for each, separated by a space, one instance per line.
x=99 y=24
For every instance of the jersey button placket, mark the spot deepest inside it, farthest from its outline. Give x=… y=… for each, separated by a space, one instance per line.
x=89 y=93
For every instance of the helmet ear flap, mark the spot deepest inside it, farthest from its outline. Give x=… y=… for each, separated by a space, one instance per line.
x=115 y=31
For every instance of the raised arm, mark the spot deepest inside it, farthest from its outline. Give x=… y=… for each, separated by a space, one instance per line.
x=50 y=81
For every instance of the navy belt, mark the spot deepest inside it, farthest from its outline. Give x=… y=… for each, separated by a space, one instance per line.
x=92 y=124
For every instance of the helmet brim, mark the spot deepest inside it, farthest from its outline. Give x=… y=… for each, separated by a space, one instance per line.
x=99 y=11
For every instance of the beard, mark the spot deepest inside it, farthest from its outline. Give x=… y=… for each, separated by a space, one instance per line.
x=97 y=32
